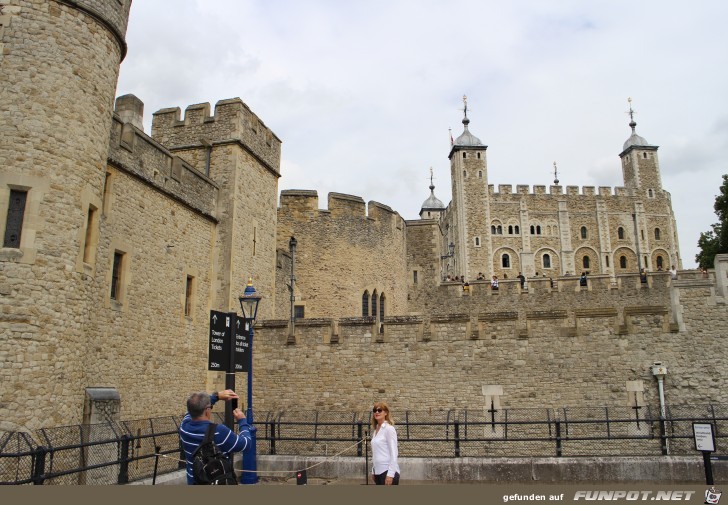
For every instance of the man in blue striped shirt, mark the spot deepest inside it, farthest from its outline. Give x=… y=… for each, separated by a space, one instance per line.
x=194 y=425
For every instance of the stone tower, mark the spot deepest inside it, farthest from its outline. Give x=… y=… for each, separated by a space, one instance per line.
x=641 y=172
x=234 y=148
x=63 y=57
x=640 y=167
x=471 y=234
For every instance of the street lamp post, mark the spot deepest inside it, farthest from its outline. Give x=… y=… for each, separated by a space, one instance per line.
x=659 y=370
x=249 y=305
x=292 y=248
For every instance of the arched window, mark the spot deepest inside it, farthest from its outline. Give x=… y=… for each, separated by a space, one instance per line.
x=657 y=234
x=480 y=172
x=500 y=230
x=374 y=303
x=533 y=230
x=365 y=304
x=492 y=230
x=506 y=261
x=465 y=155
x=517 y=230
x=620 y=233
x=477 y=241
x=478 y=155
x=547 y=261
x=583 y=232
x=650 y=193
x=585 y=262
x=381 y=306
x=510 y=229
x=465 y=174
x=606 y=259
x=659 y=263
x=623 y=262
x=538 y=229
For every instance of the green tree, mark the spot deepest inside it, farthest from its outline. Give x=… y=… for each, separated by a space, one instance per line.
x=715 y=241
x=708 y=244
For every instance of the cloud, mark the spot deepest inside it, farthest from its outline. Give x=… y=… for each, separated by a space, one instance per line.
x=363 y=93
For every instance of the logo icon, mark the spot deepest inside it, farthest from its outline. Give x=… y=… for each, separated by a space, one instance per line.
x=712 y=496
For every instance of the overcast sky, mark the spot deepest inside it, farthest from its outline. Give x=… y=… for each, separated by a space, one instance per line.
x=362 y=93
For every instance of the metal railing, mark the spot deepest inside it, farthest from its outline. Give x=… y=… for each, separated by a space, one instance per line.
x=123 y=452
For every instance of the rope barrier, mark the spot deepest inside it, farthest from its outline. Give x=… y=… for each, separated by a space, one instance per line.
x=273 y=471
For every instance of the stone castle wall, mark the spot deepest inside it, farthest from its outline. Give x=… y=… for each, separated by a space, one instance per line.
x=59 y=65
x=233 y=121
x=242 y=156
x=342 y=252
x=545 y=348
x=561 y=217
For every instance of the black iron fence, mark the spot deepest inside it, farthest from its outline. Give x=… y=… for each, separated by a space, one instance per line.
x=123 y=452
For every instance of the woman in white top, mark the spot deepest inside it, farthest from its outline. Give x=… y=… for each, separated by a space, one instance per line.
x=385 y=469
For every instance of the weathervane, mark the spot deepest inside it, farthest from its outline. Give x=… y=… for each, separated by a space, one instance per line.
x=556 y=177
x=465 y=105
x=631 y=113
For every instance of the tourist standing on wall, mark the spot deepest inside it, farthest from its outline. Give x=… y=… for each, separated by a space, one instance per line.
x=385 y=469
x=522 y=279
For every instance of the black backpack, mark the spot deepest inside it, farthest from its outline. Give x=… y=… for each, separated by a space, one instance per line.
x=209 y=465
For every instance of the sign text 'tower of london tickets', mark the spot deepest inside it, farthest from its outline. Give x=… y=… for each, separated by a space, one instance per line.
x=225 y=326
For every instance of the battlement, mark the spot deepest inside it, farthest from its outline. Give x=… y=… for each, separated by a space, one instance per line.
x=340 y=205
x=554 y=190
x=232 y=122
x=133 y=151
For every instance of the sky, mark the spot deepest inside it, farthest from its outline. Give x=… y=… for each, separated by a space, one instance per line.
x=363 y=93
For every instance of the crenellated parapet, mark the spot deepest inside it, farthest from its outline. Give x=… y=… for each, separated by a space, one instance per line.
x=232 y=123
x=556 y=190
x=134 y=152
x=304 y=203
x=364 y=244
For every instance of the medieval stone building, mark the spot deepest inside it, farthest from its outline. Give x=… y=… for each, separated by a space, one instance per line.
x=118 y=243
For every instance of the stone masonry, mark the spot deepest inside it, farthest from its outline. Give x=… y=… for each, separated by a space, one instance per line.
x=127 y=240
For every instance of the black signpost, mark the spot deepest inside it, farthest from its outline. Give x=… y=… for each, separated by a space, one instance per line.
x=219 y=348
x=228 y=352
x=242 y=346
x=705 y=442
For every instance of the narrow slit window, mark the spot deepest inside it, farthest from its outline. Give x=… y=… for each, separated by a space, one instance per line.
x=365 y=304
x=188 y=295
x=506 y=261
x=14 y=222
x=89 y=245
x=116 y=276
